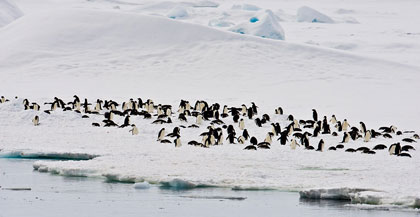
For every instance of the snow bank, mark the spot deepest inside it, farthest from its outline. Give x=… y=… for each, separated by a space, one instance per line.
x=8 y=12
x=307 y=14
x=177 y=12
x=265 y=25
x=246 y=7
x=142 y=185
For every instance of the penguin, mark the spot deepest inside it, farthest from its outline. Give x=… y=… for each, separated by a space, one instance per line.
x=35 y=121
x=278 y=111
x=244 y=110
x=346 y=138
x=235 y=118
x=407 y=148
x=379 y=147
x=254 y=108
x=2 y=99
x=242 y=124
x=250 y=113
x=350 y=150
x=316 y=131
x=320 y=146
x=404 y=155
x=253 y=141
x=268 y=138
x=134 y=130
x=126 y=122
x=177 y=142
x=250 y=147
x=409 y=140
x=199 y=119
x=362 y=127
x=258 y=122
x=96 y=124
x=333 y=119
x=276 y=128
x=241 y=140
x=165 y=141
x=416 y=136
x=26 y=104
x=263 y=145
x=283 y=137
x=245 y=134
x=314 y=115
x=290 y=118
x=35 y=106
x=230 y=129
x=339 y=146
x=182 y=117
x=368 y=135
x=231 y=137
x=332 y=148
x=345 y=125
x=293 y=144
x=395 y=149
x=339 y=126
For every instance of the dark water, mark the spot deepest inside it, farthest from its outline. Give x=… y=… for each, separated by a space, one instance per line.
x=53 y=195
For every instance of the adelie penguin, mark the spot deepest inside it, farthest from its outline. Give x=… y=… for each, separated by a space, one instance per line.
x=177 y=142
x=242 y=124
x=314 y=115
x=362 y=127
x=35 y=121
x=320 y=146
x=134 y=130
x=345 y=125
x=368 y=136
x=293 y=144
x=346 y=138
x=395 y=149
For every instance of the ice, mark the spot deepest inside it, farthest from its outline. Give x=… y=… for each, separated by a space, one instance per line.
x=265 y=25
x=307 y=14
x=47 y=155
x=142 y=185
x=179 y=184
x=178 y=12
x=8 y=12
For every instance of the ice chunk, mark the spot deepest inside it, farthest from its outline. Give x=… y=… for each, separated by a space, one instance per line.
x=265 y=25
x=142 y=185
x=179 y=184
x=307 y=14
x=8 y=12
x=178 y=12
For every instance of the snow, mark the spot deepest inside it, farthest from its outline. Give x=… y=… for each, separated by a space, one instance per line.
x=8 y=12
x=246 y=7
x=92 y=50
x=307 y=14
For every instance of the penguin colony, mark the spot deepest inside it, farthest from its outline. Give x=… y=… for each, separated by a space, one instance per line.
x=297 y=133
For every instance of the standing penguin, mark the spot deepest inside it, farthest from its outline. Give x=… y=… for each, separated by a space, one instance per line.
x=315 y=115
x=177 y=142
x=395 y=149
x=278 y=111
x=134 y=130
x=35 y=120
x=368 y=135
x=245 y=134
x=321 y=145
x=293 y=144
x=199 y=119
x=333 y=119
x=242 y=124
x=362 y=127
x=345 y=125
x=161 y=134
x=346 y=138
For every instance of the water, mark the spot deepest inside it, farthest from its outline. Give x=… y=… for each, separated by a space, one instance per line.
x=53 y=195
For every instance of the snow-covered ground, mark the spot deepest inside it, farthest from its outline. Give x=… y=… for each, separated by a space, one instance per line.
x=363 y=66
